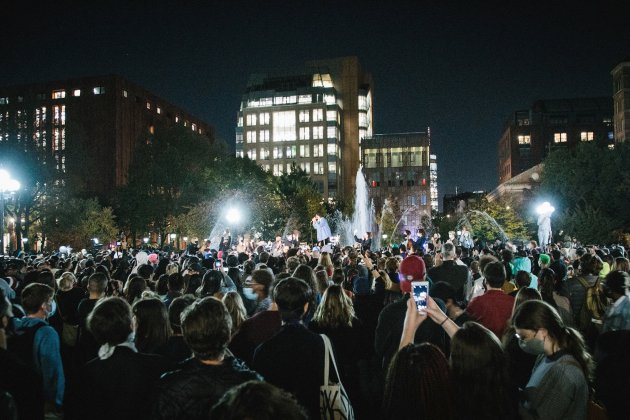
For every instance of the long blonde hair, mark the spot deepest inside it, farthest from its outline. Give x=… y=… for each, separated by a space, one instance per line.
x=236 y=309
x=335 y=310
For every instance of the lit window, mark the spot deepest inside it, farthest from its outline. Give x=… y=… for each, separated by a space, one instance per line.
x=58 y=94
x=277 y=152
x=238 y=124
x=305 y=133
x=152 y=129
x=332 y=149
x=318 y=168
x=251 y=137
x=586 y=136
x=251 y=154
x=305 y=99
x=176 y=118
x=284 y=126
x=263 y=136
x=264 y=153
x=331 y=115
x=363 y=103
x=318 y=115
x=304 y=115
x=332 y=168
x=611 y=147
x=239 y=137
x=185 y=123
x=318 y=133
x=363 y=119
x=291 y=152
x=306 y=167
x=193 y=126
x=124 y=93
x=560 y=137
x=331 y=132
x=251 y=119
x=305 y=151
x=277 y=169
x=4 y=101
x=524 y=139
x=322 y=80
x=263 y=118
x=318 y=150
x=158 y=110
x=76 y=92
x=330 y=99
x=148 y=105
x=98 y=90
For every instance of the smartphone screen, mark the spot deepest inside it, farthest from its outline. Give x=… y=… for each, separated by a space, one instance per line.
x=420 y=291
x=217 y=264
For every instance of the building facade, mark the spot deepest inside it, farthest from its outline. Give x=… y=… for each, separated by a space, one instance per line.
x=398 y=167
x=313 y=119
x=531 y=134
x=621 y=99
x=104 y=117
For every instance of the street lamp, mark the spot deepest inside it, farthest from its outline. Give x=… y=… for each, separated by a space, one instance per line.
x=233 y=215
x=7 y=186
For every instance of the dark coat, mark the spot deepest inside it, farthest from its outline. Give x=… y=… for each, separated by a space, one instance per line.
x=454 y=274
x=120 y=387
x=190 y=391
x=293 y=360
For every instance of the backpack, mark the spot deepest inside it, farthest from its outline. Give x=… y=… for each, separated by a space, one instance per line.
x=594 y=306
x=21 y=345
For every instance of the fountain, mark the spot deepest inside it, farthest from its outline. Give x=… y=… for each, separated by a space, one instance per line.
x=363 y=214
x=466 y=218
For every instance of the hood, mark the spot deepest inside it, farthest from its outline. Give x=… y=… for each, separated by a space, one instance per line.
x=521 y=264
x=20 y=324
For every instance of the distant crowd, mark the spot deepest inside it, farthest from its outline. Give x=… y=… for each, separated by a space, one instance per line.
x=237 y=332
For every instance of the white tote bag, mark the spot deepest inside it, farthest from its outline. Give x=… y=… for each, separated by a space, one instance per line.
x=334 y=403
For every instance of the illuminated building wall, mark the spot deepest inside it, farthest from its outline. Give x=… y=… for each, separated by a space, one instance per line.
x=621 y=99
x=312 y=119
x=530 y=134
x=400 y=167
x=104 y=117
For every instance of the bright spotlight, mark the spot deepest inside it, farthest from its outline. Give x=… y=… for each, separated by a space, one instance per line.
x=545 y=208
x=233 y=215
x=95 y=241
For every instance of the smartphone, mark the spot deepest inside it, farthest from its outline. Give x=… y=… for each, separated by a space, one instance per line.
x=217 y=264
x=420 y=291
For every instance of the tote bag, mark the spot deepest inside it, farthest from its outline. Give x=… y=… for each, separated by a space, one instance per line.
x=334 y=403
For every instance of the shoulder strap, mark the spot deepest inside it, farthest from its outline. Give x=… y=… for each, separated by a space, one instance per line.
x=329 y=353
x=583 y=282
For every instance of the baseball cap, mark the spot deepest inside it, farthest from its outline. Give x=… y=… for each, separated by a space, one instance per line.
x=411 y=268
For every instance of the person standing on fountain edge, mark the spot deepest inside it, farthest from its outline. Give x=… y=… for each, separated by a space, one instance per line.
x=323 y=230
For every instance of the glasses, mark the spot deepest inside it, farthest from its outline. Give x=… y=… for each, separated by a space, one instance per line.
x=522 y=339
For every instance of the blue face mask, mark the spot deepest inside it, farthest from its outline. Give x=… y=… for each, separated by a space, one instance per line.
x=248 y=292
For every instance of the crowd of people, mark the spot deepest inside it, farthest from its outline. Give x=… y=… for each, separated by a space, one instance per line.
x=508 y=332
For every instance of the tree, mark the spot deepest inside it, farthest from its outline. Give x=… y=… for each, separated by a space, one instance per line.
x=590 y=187
x=496 y=220
x=77 y=221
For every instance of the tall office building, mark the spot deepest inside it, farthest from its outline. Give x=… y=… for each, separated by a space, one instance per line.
x=400 y=167
x=104 y=116
x=621 y=99
x=314 y=119
x=530 y=134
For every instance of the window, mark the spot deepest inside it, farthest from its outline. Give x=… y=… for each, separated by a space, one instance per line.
x=176 y=118
x=239 y=123
x=284 y=100
x=586 y=136
x=318 y=133
x=263 y=136
x=331 y=132
x=59 y=139
x=124 y=92
x=159 y=110
x=318 y=115
x=263 y=118
x=305 y=99
x=560 y=137
x=304 y=115
x=318 y=168
x=148 y=105
x=305 y=133
x=322 y=80
x=306 y=167
x=363 y=119
x=4 y=101
x=277 y=152
x=305 y=151
x=193 y=126
x=284 y=126
x=277 y=169
x=318 y=150
x=251 y=119
x=251 y=136
x=363 y=103
x=330 y=99
x=239 y=154
x=58 y=94
x=332 y=168
x=59 y=115
x=291 y=152
x=251 y=153
x=239 y=137
x=264 y=153
x=76 y=92
x=98 y=90
x=331 y=115
x=332 y=149
x=524 y=139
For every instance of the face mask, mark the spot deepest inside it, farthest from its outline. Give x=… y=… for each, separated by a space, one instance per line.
x=249 y=293
x=533 y=346
x=53 y=309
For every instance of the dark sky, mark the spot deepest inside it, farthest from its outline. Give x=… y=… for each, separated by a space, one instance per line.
x=460 y=69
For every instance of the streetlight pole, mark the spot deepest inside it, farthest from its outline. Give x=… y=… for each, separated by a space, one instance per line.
x=7 y=185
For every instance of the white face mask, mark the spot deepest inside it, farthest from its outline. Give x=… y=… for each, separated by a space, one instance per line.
x=249 y=293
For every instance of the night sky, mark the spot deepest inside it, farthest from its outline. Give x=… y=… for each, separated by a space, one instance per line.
x=460 y=69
